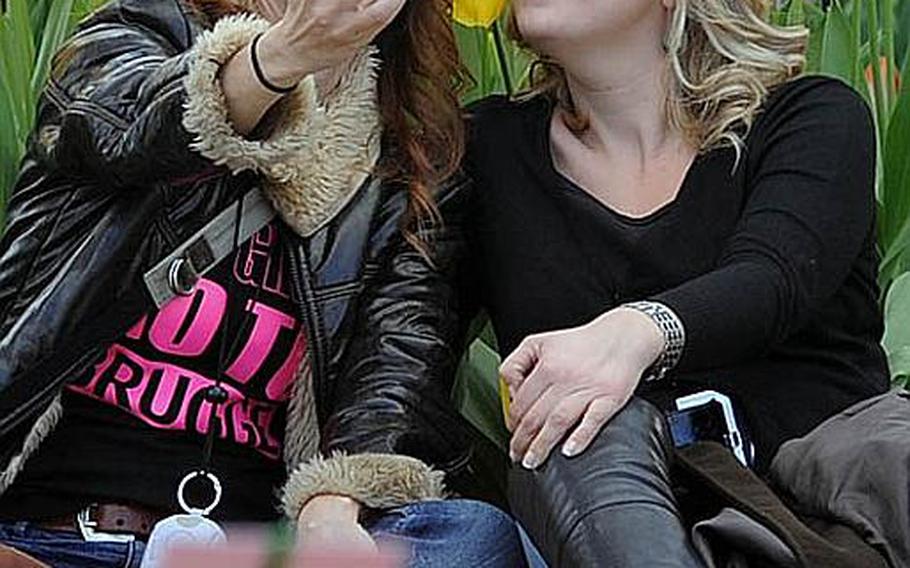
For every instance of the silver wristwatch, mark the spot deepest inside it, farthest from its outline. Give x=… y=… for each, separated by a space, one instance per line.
x=674 y=337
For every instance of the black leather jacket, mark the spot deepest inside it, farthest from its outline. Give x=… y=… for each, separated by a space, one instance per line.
x=110 y=186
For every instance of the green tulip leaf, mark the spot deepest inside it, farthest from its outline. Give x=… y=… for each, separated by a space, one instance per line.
x=477 y=393
x=897 y=328
x=838 y=50
x=895 y=190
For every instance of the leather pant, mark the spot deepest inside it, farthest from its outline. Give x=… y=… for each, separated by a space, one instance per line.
x=613 y=505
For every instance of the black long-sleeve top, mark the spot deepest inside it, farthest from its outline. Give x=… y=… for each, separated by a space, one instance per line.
x=770 y=263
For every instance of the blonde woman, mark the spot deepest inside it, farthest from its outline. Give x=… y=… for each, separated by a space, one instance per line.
x=671 y=211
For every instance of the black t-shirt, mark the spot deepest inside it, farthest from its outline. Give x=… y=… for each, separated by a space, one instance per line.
x=135 y=423
x=771 y=265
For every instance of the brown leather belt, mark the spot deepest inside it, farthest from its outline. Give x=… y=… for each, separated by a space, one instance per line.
x=110 y=518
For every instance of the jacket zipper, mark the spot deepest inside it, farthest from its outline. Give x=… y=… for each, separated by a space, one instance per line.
x=304 y=293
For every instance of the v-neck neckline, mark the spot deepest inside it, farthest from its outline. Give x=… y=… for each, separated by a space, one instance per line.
x=543 y=134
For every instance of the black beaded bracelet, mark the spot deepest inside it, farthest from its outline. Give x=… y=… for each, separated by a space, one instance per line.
x=260 y=76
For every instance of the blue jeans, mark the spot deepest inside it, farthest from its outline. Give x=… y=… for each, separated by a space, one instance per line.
x=453 y=533
x=65 y=549
x=437 y=534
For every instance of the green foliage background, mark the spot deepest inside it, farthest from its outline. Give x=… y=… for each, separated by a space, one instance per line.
x=845 y=40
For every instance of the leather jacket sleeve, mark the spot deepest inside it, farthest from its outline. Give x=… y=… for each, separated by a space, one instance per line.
x=391 y=435
x=117 y=90
x=135 y=99
x=109 y=117
x=400 y=366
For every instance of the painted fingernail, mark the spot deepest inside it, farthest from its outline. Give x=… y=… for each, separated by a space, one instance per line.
x=513 y=457
x=530 y=462
x=570 y=449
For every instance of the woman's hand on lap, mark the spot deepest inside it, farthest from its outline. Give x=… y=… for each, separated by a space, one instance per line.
x=577 y=379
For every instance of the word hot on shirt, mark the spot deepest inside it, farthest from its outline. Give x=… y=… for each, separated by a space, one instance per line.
x=159 y=371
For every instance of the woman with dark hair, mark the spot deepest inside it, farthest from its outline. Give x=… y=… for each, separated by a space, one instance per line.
x=672 y=212
x=169 y=344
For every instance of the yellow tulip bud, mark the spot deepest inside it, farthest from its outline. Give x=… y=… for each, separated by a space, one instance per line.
x=478 y=13
x=504 y=396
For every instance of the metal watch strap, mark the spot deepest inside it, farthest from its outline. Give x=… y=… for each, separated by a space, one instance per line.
x=674 y=337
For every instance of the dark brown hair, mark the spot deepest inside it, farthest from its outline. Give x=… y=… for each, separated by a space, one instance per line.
x=419 y=85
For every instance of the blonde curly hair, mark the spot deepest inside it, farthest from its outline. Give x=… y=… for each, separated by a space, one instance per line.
x=723 y=59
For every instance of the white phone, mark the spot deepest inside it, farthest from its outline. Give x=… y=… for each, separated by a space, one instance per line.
x=733 y=435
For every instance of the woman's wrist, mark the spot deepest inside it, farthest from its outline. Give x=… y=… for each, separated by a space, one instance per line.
x=643 y=339
x=281 y=64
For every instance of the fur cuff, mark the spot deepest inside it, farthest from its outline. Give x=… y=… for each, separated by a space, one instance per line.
x=378 y=481
x=41 y=430
x=206 y=112
x=319 y=151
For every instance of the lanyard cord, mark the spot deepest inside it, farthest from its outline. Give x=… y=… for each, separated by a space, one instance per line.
x=216 y=394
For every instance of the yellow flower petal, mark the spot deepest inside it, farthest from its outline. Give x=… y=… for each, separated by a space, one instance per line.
x=504 y=396
x=478 y=13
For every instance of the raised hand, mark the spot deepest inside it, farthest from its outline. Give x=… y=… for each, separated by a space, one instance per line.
x=314 y=35
x=310 y=36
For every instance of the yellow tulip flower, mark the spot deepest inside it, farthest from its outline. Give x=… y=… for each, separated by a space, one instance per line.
x=478 y=13
x=504 y=396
